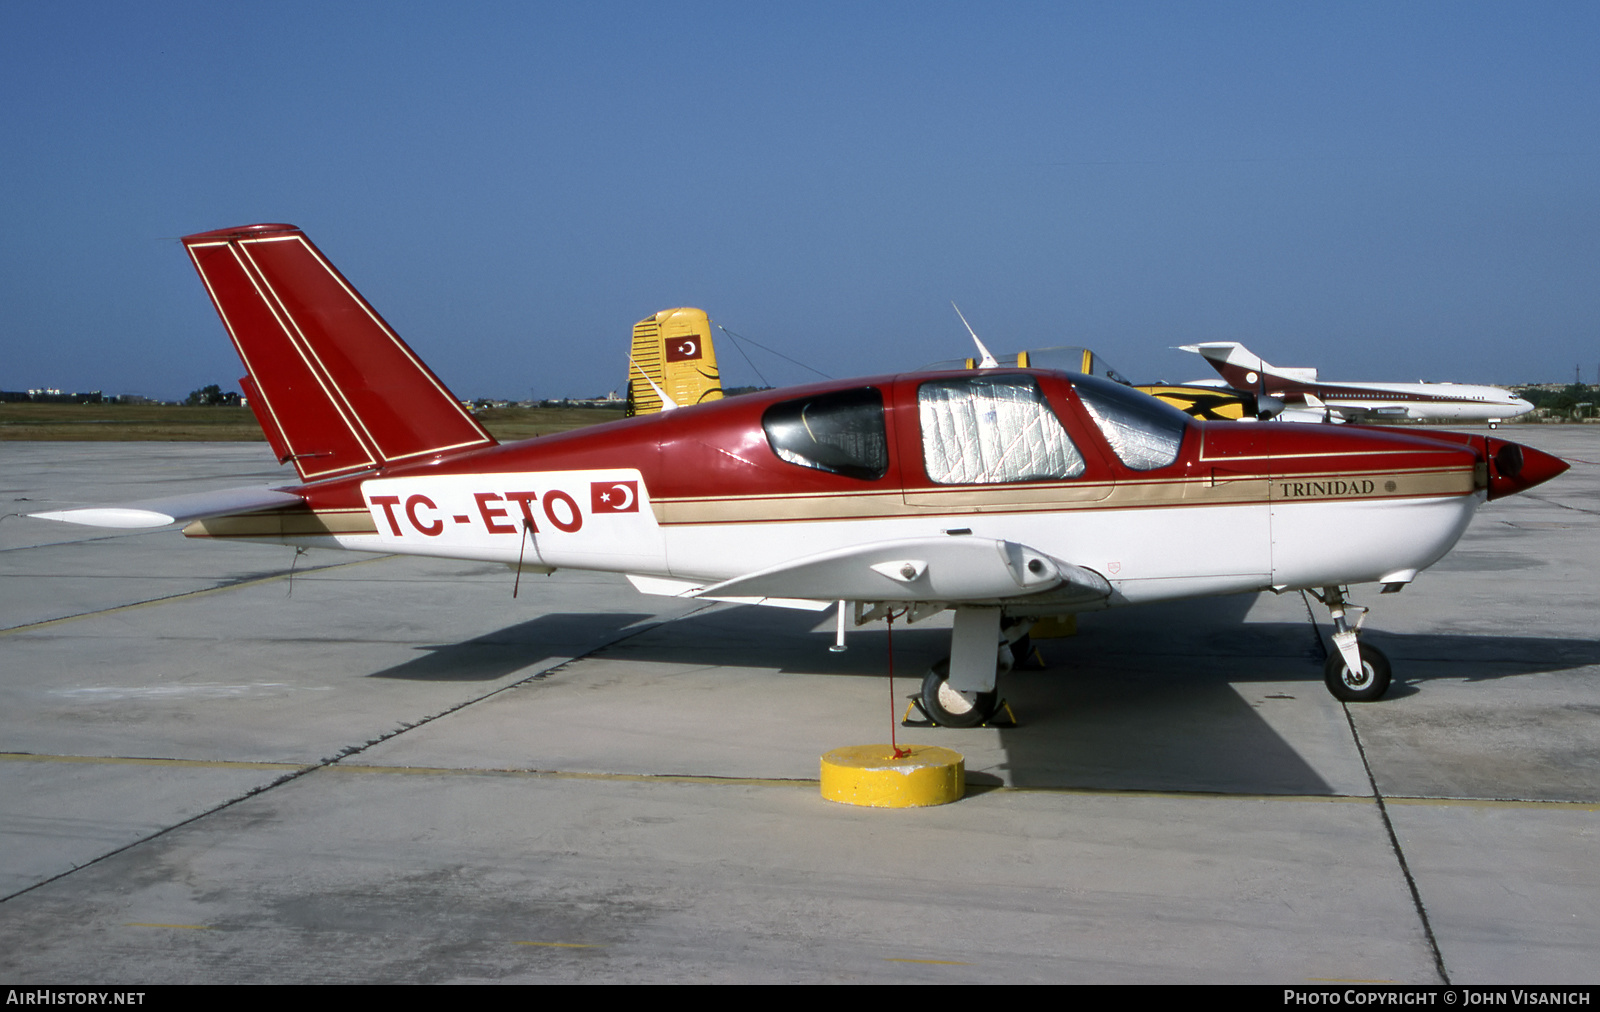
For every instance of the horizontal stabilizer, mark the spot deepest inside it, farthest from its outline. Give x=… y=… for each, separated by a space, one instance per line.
x=959 y=568
x=175 y=509
x=1237 y=363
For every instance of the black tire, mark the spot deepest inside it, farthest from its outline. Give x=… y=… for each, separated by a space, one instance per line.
x=1372 y=684
x=1022 y=651
x=950 y=708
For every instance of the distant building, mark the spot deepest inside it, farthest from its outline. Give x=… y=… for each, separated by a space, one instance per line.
x=50 y=395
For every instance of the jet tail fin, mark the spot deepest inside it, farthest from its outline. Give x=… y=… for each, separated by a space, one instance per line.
x=1234 y=362
x=335 y=389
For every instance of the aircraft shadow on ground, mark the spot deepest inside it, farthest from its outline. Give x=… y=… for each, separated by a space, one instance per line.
x=1157 y=698
x=1115 y=710
x=1186 y=640
x=506 y=651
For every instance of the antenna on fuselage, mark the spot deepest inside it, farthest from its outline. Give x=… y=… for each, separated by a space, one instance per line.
x=988 y=359
x=667 y=403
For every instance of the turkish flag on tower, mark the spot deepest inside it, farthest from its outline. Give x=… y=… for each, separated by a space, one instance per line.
x=682 y=349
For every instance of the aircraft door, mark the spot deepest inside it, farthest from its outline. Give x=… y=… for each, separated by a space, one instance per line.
x=1235 y=470
x=1188 y=511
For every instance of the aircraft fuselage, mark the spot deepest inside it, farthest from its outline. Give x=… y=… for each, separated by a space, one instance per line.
x=700 y=495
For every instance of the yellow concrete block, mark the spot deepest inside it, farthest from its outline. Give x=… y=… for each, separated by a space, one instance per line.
x=871 y=776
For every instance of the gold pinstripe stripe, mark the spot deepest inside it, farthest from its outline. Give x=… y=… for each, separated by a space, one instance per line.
x=1212 y=490
x=294 y=522
x=1215 y=489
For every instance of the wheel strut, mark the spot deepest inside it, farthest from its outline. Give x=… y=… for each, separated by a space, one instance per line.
x=1356 y=671
x=1344 y=634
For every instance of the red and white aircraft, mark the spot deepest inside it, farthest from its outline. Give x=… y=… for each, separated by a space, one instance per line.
x=1005 y=494
x=1300 y=396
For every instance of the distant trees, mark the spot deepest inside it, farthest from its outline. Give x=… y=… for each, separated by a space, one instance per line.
x=1575 y=400
x=211 y=396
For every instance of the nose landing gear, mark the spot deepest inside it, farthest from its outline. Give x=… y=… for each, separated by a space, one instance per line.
x=959 y=690
x=950 y=707
x=1355 y=672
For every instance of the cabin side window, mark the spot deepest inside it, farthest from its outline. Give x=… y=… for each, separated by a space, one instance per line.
x=840 y=432
x=984 y=430
x=1145 y=433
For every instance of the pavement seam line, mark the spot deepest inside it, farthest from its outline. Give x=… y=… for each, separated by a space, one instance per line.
x=252 y=582
x=1383 y=814
x=1131 y=793
x=1552 y=502
x=345 y=753
x=55 y=544
x=622 y=636
x=1399 y=852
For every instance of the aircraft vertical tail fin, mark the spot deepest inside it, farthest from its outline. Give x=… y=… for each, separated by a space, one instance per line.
x=1233 y=361
x=672 y=353
x=335 y=389
x=1243 y=368
x=269 y=425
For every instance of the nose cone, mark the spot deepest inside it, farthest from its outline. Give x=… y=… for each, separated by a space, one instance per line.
x=1515 y=468
x=1518 y=406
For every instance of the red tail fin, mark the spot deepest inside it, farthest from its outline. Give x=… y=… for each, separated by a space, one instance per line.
x=335 y=389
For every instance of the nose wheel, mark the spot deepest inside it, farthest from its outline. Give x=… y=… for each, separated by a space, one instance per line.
x=1355 y=672
x=959 y=690
x=1350 y=687
x=950 y=707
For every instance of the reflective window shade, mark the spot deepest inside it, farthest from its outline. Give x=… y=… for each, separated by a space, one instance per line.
x=1143 y=432
x=985 y=430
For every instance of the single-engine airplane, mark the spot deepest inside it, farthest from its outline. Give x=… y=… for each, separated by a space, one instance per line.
x=1007 y=494
x=1300 y=396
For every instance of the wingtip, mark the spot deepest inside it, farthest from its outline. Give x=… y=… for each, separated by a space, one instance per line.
x=113 y=517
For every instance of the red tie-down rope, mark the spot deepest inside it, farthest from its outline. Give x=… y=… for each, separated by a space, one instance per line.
x=899 y=753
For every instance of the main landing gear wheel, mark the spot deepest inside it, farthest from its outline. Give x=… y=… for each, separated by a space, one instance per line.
x=1371 y=684
x=950 y=708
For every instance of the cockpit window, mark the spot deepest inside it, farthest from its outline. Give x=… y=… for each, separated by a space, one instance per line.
x=984 y=430
x=840 y=432
x=1143 y=432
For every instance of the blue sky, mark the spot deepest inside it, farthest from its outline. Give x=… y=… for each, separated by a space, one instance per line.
x=1386 y=191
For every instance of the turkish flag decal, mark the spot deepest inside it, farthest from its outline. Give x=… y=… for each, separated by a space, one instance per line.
x=613 y=497
x=683 y=349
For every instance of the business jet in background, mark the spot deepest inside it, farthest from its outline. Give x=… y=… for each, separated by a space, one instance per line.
x=1297 y=394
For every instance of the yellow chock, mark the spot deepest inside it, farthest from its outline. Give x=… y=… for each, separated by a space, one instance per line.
x=872 y=776
x=1054 y=627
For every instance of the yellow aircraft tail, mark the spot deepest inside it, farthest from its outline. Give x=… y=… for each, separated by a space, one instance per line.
x=672 y=354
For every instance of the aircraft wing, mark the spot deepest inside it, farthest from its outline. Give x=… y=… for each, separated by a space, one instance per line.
x=663 y=587
x=175 y=509
x=1392 y=411
x=951 y=568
